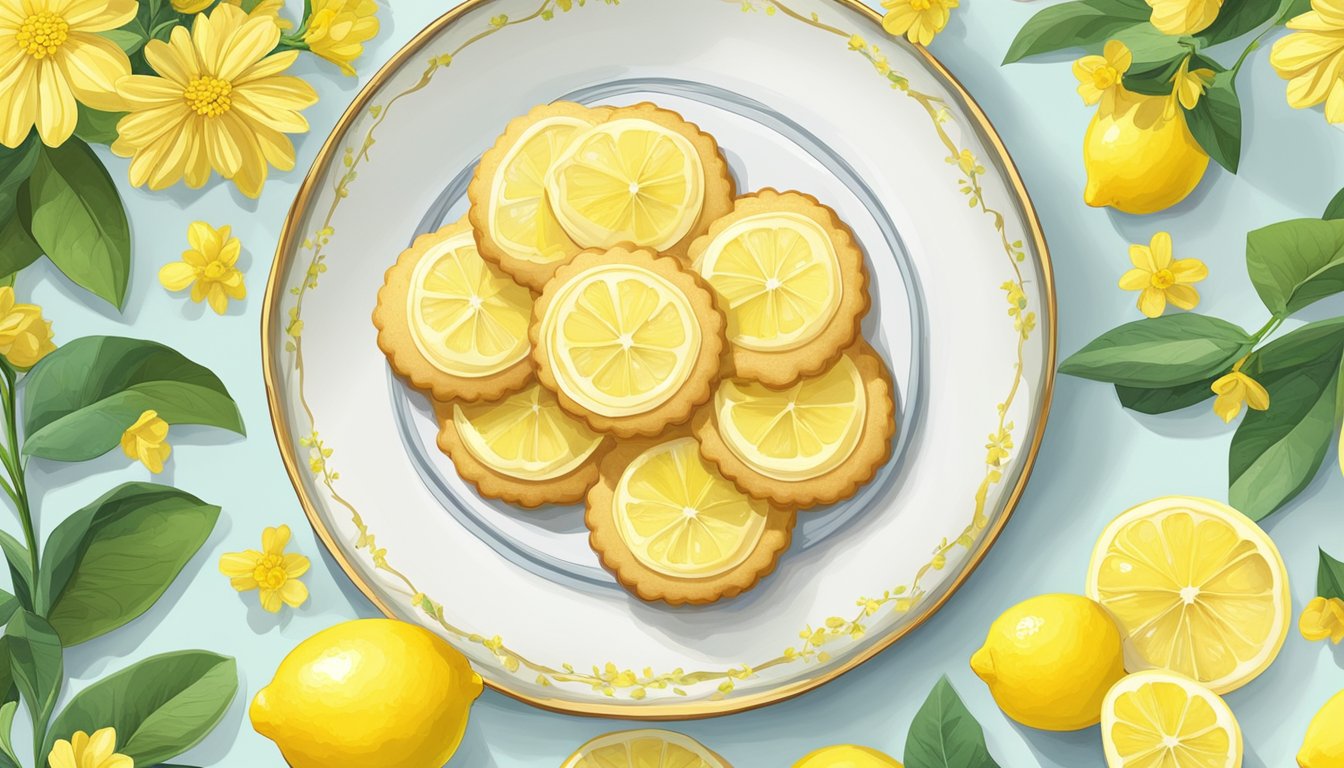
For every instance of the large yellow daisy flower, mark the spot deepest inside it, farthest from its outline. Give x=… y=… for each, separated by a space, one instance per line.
x=52 y=57
x=219 y=101
x=1311 y=59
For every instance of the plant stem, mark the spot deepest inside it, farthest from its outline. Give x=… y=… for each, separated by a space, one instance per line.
x=15 y=466
x=1255 y=44
x=1269 y=327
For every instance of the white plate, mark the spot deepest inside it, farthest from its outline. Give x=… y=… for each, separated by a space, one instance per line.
x=963 y=313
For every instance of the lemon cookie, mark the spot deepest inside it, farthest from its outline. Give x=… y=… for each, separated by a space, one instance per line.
x=523 y=449
x=451 y=323
x=629 y=341
x=812 y=443
x=790 y=278
x=514 y=224
x=644 y=176
x=671 y=528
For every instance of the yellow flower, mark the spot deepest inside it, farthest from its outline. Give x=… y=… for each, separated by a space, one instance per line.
x=1184 y=17
x=918 y=20
x=1160 y=279
x=208 y=267
x=146 y=441
x=219 y=101
x=1190 y=86
x=52 y=57
x=1323 y=617
x=269 y=9
x=967 y=162
x=25 y=337
x=271 y=571
x=337 y=30
x=1000 y=446
x=1311 y=59
x=857 y=43
x=1100 y=76
x=85 y=751
x=192 y=6
x=1236 y=389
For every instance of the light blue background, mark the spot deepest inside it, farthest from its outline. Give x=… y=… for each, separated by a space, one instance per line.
x=1097 y=459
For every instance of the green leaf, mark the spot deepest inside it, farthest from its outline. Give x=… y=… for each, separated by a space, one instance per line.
x=17 y=247
x=82 y=397
x=1157 y=58
x=8 y=690
x=79 y=220
x=97 y=127
x=1335 y=210
x=1075 y=24
x=8 y=758
x=16 y=165
x=1237 y=18
x=1296 y=263
x=1165 y=399
x=945 y=735
x=1330 y=577
x=20 y=566
x=35 y=654
x=1292 y=8
x=1275 y=453
x=89 y=584
x=8 y=605
x=161 y=706
x=1215 y=122
x=1166 y=351
x=129 y=38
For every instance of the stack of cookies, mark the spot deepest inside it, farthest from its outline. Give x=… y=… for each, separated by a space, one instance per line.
x=612 y=324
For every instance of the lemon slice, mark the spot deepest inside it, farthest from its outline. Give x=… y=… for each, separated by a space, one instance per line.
x=526 y=435
x=467 y=318
x=622 y=339
x=1196 y=587
x=627 y=180
x=798 y=433
x=1157 y=719
x=646 y=748
x=518 y=215
x=680 y=518
x=778 y=277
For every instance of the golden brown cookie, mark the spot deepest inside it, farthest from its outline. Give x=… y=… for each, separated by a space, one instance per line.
x=670 y=528
x=451 y=323
x=812 y=443
x=629 y=341
x=523 y=448
x=645 y=176
x=790 y=278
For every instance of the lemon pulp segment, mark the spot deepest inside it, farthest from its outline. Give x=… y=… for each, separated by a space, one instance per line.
x=1160 y=720
x=1196 y=588
x=679 y=517
x=797 y=433
x=779 y=277
x=519 y=215
x=622 y=339
x=526 y=435
x=627 y=180
x=644 y=749
x=467 y=318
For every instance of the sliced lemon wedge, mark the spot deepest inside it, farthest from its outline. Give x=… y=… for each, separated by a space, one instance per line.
x=627 y=180
x=797 y=433
x=645 y=748
x=1196 y=588
x=467 y=318
x=526 y=435
x=679 y=517
x=518 y=214
x=1157 y=719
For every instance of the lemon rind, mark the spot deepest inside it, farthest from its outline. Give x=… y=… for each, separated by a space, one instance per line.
x=1131 y=683
x=619 y=737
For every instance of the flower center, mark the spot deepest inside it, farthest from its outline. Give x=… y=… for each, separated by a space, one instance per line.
x=270 y=573
x=921 y=5
x=41 y=34
x=215 y=270
x=1104 y=77
x=209 y=96
x=1162 y=279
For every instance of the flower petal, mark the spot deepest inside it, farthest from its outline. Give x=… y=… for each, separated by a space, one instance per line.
x=1188 y=270
x=294 y=593
x=93 y=64
x=1141 y=256
x=295 y=565
x=274 y=540
x=1161 y=249
x=270 y=600
x=239 y=563
x=1152 y=302
x=1136 y=280
x=177 y=275
x=57 y=110
x=1183 y=296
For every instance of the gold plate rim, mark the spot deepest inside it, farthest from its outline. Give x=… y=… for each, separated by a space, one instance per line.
x=289 y=237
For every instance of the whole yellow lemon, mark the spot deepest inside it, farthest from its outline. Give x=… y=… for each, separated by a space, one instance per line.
x=369 y=692
x=1050 y=660
x=846 y=756
x=1140 y=156
x=1323 y=746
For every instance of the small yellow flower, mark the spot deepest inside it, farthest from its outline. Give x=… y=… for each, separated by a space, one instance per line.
x=1311 y=59
x=25 y=337
x=967 y=162
x=857 y=43
x=85 y=751
x=1184 y=17
x=209 y=267
x=1189 y=85
x=146 y=441
x=272 y=571
x=1160 y=279
x=1322 y=618
x=1000 y=446
x=1100 y=77
x=337 y=30
x=1236 y=389
x=918 y=20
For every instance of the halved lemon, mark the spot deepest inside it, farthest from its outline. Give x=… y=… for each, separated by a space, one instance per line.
x=645 y=748
x=680 y=518
x=526 y=435
x=1157 y=719
x=627 y=180
x=1196 y=588
x=798 y=433
x=517 y=212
